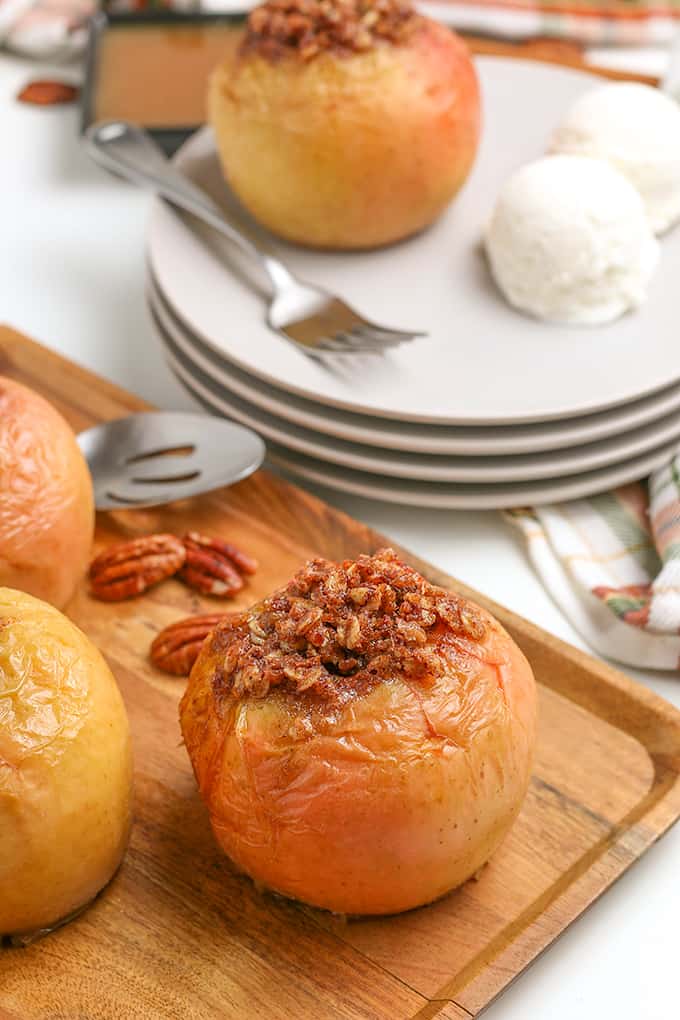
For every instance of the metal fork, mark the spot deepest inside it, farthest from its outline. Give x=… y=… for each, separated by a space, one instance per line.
x=311 y=318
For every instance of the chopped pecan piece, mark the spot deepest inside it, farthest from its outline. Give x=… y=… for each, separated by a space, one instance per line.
x=307 y=28
x=336 y=629
x=129 y=568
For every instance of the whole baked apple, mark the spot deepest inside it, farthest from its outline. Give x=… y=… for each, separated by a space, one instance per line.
x=361 y=738
x=65 y=767
x=46 y=499
x=345 y=123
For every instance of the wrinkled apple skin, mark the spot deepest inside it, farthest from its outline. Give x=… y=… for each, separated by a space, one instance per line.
x=399 y=797
x=46 y=498
x=65 y=767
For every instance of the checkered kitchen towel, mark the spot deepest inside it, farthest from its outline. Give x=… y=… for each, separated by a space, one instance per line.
x=612 y=564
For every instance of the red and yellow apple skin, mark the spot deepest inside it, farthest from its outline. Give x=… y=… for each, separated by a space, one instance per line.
x=348 y=151
x=399 y=797
x=46 y=499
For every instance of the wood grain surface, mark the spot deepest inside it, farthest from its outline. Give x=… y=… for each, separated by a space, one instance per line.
x=178 y=934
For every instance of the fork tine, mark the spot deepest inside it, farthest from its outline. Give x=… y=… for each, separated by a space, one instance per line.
x=345 y=343
x=369 y=329
x=359 y=342
x=378 y=343
x=364 y=342
x=332 y=345
x=362 y=339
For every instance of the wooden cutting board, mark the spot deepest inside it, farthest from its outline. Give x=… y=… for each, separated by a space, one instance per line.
x=178 y=934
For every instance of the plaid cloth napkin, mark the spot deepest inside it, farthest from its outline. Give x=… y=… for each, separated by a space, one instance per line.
x=612 y=564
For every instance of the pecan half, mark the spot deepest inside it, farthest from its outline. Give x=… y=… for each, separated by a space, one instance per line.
x=212 y=565
x=128 y=569
x=48 y=93
x=175 y=649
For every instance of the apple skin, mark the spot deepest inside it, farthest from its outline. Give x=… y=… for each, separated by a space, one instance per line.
x=391 y=802
x=65 y=767
x=348 y=151
x=46 y=498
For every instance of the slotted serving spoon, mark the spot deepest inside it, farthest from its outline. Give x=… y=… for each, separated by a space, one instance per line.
x=158 y=457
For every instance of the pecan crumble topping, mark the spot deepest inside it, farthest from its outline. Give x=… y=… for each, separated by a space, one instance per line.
x=337 y=629
x=310 y=27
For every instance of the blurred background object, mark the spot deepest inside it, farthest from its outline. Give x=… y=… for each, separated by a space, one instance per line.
x=671 y=77
x=628 y=35
x=55 y=29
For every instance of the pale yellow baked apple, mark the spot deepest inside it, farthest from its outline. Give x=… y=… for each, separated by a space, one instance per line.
x=362 y=739
x=65 y=767
x=46 y=499
x=345 y=123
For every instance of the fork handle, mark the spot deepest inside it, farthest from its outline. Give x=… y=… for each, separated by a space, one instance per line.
x=132 y=153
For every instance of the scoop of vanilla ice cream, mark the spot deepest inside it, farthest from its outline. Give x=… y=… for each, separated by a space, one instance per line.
x=636 y=128
x=569 y=241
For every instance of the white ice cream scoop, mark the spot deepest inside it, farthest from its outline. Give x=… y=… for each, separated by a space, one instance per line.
x=636 y=128
x=569 y=241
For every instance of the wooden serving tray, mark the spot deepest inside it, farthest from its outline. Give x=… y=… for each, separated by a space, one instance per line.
x=178 y=934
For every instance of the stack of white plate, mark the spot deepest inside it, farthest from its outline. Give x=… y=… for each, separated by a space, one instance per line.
x=491 y=409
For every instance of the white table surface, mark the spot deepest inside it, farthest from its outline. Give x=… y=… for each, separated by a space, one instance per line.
x=71 y=276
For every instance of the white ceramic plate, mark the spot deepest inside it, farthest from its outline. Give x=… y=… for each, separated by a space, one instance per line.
x=411 y=437
x=482 y=363
x=423 y=467
x=433 y=494
x=436 y=495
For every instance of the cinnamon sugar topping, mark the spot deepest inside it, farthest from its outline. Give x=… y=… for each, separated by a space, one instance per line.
x=340 y=628
x=310 y=27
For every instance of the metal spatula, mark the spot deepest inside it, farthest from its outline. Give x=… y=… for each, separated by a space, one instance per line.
x=160 y=456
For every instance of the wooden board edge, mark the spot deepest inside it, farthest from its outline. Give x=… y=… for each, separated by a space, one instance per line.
x=22 y=349
x=440 y=1009
x=477 y=986
x=524 y=951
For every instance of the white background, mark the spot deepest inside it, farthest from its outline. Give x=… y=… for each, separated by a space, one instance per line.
x=71 y=276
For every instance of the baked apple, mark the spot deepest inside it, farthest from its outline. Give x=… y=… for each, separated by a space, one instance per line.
x=46 y=500
x=65 y=767
x=345 y=123
x=361 y=738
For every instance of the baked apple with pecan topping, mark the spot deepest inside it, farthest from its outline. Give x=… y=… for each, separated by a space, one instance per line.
x=345 y=123
x=362 y=739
